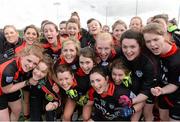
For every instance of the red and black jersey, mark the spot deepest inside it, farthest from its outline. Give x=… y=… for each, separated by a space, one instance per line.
x=54 y=52
x=170 y=63
x=83 y=82
x=74 y=65
x=170 y=69
x=10 y=50
x=116 y=43
x=11 y=72
x=106 y=105
x=115 y=53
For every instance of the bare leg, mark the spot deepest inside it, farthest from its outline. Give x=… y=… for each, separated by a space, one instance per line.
x=148 y=112
x=4 y=115
x=69 y=109
x=164 y=114
x=16 y=108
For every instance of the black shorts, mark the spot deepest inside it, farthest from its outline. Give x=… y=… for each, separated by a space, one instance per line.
x=164 y=102
x=174 y=112
x=5 y=98
x=151 y=99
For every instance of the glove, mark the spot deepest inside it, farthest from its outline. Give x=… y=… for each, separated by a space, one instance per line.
x=127 y=112
x=125 y=101
x=83 y=100
x=72 y=94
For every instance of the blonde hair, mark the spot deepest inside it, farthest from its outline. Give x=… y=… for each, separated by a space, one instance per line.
x=105 y=36
x=158 y=29
x=34 y=49
x=71 y=40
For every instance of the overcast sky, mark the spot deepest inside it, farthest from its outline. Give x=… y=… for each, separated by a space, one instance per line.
x=24 y=12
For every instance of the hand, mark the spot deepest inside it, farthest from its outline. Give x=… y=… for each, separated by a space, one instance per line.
x=125 y=101
x=55 y=88
x=127 y=112
x=156 y=91
x=33 y=82
x=50 y=106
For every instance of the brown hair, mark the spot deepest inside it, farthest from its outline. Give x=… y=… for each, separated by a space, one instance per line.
x=33 y=27
x=161 y=16
x=158 y=29
x=88 y=52
x=72 y=20
x=62 y=68
x=49 y=63
x=119 y=64
x=75 y=14
x=136 y=17
x=9 y=26
x=119 y=22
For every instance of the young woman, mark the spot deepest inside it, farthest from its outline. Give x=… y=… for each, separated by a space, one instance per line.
x=70 y=53
x=106 y=98
x=136 y=24
x=14 y=76
x=144 y=69
x=52 y=43
x=42 y=94
x=117 y=29
x=30 y=36
x=105 y=51
x=120 y=74
x=13 y=43
x=94 y=28
x=158 y=43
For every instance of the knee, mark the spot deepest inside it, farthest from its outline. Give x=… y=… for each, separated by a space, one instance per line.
x=67 y=117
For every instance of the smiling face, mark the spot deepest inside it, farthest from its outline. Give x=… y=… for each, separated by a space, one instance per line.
x=94 y=27
x=135 y=24
x=103 y=48
x=154 y=43
x=86 y=64
x=72 y=29
x=50 y=33
x=30 y=36
x=130 y=48
x=118 y=30
x=65 y=80
x=99 y=83
x=118 y=75
x=11 y=34
x=40 y=71
x=29 y=62
x=69 y=52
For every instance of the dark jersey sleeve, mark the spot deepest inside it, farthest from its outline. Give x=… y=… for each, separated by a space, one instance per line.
x=174 y=69
x=8 y=74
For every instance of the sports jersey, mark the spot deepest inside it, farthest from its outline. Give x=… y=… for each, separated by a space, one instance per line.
x=106 y=105
x=74 y=65
x=170 y=63
x=11 y=72
x=105 y=64
x=145 y=73
x=10 y=50
x=54 y=52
